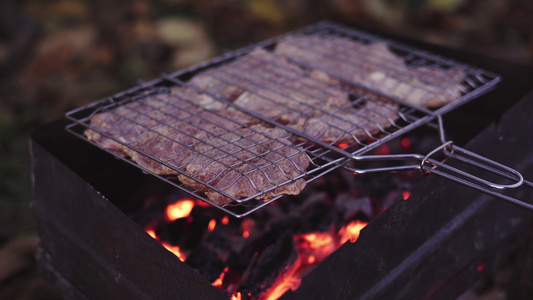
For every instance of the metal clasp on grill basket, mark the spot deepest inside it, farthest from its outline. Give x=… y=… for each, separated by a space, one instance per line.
x=428 y=165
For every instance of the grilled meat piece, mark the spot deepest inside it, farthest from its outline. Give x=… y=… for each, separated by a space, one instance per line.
x=209 y=145
x=347 y=124
x=152 y=125
x=373 y=66
x=276 y=166
x=279 y=90
x=269 y=85
x=245 y=162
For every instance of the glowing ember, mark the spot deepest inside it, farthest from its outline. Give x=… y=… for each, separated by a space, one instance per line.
x=317 y=245
x=290 y=279
x=343 y=146
x=317 y=240
x=151 y=232
x=406 y=195
x=311 y=259
x=351 y=231
x=175 y=250
x=212 y=224
x=247 y=226
x=179 y=209
x=312 y=249
x=220 y=279
x=225 y=220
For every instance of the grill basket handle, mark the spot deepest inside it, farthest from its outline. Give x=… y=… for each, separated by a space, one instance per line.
x=428 y=165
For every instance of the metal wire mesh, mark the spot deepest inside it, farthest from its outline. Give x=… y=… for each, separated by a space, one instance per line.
x=322 y=112
x=247 y=127
x=170 y=133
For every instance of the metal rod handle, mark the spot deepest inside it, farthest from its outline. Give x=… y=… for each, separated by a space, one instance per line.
x=470 y=158
x=486 y=190
x=476 y=160
x=416 y=158
x=428 y=165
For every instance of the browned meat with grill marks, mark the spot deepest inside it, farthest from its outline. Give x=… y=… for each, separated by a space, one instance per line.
x=269 y=85
x=228 y=155
x=276 y=167
x=108 y=123
x=151 y=125
x=374 y=66
x=282 y=91
x=218 y=150
x=166 y=144
x=348 y=124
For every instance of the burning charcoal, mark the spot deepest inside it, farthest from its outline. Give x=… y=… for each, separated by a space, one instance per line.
x=206 y=262
x=272 y=262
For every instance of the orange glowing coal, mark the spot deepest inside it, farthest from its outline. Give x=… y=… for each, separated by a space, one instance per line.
x=317 y=245
x=220 y=279
x=151 y=232
x=317 y=240
x=290 y=279
x=179 y=209
x=247 y=226
x=311 y=259
x=312 y=249
x=225 y=220
x=236 y=296
x=212 y=224
x=174 y=249
x=351 y=231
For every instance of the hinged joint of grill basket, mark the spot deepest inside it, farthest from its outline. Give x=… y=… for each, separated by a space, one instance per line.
x=199 y=105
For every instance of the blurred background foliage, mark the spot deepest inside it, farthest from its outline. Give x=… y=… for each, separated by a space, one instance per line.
x=56 y=55
x=59 y=54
